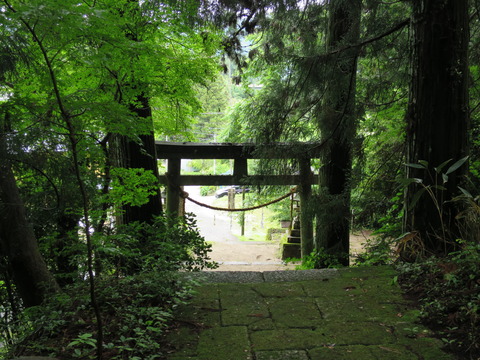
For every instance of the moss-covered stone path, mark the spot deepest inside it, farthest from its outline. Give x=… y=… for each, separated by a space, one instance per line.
x=356 y=313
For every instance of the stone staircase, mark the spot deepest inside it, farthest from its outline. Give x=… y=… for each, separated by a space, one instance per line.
x=292 y=248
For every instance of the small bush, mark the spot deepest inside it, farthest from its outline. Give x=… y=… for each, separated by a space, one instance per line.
x=319 y=259
x=135 y=312
x=169 y=244
x=448 y=292
x=137 y=287
x=378 y=251
x=207 y=190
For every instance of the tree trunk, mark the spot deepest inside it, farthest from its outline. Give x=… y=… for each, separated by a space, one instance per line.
x=438 y=117
x=337 y=124
x=66 y=248
x=17 y=241
x=131 y=154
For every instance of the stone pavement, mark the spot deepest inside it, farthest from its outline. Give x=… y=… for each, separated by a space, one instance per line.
x=355 y=313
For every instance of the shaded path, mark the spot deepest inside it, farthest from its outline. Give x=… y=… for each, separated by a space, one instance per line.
x=231 y=253
x=355 y=313
x=235 y=255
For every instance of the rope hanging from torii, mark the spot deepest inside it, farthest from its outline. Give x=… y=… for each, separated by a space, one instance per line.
x=185 y=195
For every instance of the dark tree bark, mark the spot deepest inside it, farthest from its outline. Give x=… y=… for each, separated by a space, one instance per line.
x=132 y=154
x=337 y=124
x=17 y=241
x=438 y=116
x=142 y=153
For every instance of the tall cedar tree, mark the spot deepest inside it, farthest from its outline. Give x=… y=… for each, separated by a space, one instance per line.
x=337 y=125
x=141 y=152
x=438 y=116
x=32 y=278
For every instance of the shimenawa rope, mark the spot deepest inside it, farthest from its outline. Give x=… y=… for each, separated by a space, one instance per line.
x=185 y=195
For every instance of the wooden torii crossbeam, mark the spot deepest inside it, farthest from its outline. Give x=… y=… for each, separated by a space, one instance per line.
x=174 y=152
x=240 y=153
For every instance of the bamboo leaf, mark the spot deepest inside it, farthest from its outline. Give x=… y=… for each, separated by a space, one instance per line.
x=416 y=166
x=416 y=197
x=424 y=163
x=456 y=165
x=445 y=178
x=440 y=167
x=465 y=192
x=408 y=181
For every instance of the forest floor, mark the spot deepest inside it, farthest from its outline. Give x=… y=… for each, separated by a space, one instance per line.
x=355 y=313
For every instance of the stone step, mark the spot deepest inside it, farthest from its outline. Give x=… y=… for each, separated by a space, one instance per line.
x=295 y=232
x=294 y=240
x=291 y=251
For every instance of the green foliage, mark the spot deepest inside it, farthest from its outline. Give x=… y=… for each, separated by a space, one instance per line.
x=78 y=69
x=319 y=259
x=432 y=185
x=378 y=158
x=390 y=224
x=435 y=185
x=170 y=243
x=136 y=309
x=206 y=167
x=89 y=63
x=448 y=291
x=214 y=98
x=131 y=186
x=207 y=190
x=377 y=251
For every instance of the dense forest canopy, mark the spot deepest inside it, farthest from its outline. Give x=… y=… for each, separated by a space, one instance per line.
x=388 y=89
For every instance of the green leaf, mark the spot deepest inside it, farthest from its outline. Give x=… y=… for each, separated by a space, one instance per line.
x=440 y=167
x=424 y=163
x=416 y=197
x=408 y=181
x=445 y=178
x=416 y=166
x=465 y=192
x=457 y=165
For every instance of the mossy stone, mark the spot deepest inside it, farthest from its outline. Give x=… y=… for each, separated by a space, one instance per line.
x=289 y=339
x=280 y=289
x=230 y=342
x=242 y=308
x=282 y=355
x=295 y=312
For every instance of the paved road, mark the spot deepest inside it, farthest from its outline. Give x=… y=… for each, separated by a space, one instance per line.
x=215 y=226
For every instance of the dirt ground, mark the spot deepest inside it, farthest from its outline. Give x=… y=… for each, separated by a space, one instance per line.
x=235 y=255
x=263 y=256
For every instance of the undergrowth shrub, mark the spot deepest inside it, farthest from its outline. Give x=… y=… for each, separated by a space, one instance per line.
x=319 y=259
x=135 y=311
x=378 y=250
x=170 y=243
x=138 y=285
x=448 y=293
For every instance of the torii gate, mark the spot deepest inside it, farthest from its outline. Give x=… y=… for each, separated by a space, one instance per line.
x=174 y=152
